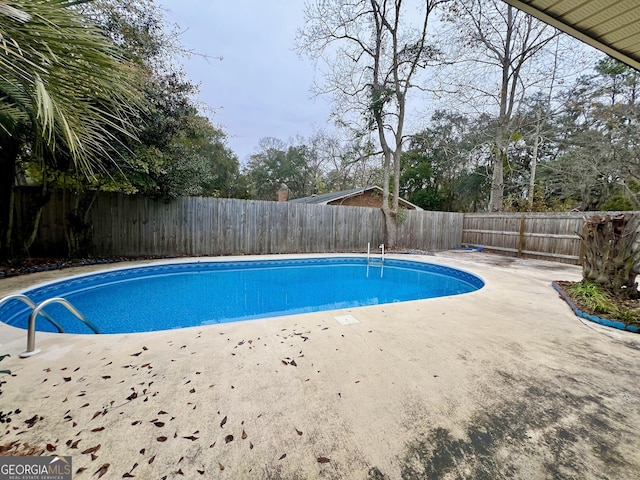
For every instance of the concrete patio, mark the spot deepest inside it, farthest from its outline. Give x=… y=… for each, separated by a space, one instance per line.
x=505 y=382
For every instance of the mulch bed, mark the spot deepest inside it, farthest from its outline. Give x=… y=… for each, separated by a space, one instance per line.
x=621 y=304
x=32 y=265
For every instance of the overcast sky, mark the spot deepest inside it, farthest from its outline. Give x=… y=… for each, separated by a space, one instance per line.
x=261 y=88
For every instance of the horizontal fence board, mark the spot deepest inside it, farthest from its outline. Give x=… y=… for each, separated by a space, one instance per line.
x=534 y=235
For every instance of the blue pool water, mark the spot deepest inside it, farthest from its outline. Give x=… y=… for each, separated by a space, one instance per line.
x=177 y=295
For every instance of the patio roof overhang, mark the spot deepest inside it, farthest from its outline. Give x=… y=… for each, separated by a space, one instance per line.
x=612 y=26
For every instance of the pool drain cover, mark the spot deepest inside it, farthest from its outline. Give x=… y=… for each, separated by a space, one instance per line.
x=346 y=319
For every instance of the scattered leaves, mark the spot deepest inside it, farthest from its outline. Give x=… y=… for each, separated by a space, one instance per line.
x=161 y=439
x=102 y=470
x=284 y=455
x=224 y=420
x=91 y=450
x=228 y=438
x=298 y=432
x=31 y=421
x=323 y=460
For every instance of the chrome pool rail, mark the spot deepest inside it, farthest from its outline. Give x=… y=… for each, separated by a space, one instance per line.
x=369 y=252
x=31 y=332
x=37 y=310
x=24 y=299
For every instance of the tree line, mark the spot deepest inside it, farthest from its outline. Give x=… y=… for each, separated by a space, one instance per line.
x=94 y=99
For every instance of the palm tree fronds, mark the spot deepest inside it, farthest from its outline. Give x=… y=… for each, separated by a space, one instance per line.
x=70 y=81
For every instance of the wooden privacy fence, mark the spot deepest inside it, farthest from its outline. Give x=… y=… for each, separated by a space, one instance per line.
x=549 y=236
x=207 y=226
x=137 y=226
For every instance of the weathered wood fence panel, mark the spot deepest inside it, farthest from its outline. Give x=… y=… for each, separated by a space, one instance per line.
x=424 y=230
x=207 y=226
x=138 y=226
x=548 y=236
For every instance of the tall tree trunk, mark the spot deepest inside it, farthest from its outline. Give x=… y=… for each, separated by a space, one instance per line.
x=9 y=150
x=79 y=229
x=534 y=162
x=612 y=253
x=390 y=228
x=497 y=180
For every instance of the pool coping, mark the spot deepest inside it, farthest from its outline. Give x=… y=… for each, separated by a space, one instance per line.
x=476 y=281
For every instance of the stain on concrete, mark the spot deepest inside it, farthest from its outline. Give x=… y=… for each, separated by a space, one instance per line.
x=375 y=474
x=540 y=433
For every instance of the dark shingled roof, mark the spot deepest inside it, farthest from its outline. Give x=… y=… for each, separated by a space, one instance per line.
x=329 y=197
x=326 y=198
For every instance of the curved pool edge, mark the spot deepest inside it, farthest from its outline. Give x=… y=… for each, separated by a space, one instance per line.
x=471 y=279
x=88 y=270
x=58 y=276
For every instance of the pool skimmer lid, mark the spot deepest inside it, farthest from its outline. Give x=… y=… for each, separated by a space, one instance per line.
x=346 y=319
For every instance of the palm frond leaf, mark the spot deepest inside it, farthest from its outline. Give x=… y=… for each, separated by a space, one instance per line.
x=71 y=83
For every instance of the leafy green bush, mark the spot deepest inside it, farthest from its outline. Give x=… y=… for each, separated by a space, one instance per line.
x=593 y=296
x=599 y=300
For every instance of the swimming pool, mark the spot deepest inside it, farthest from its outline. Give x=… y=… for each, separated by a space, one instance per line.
x=177 y=295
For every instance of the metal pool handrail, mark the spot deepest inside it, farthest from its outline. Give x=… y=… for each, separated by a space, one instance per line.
x=31 y=303
x=31 y=332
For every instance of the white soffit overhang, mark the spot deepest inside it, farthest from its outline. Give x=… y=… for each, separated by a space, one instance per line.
x=612 y=26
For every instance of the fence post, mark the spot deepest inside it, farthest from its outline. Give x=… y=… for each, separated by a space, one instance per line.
x=521 y=235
